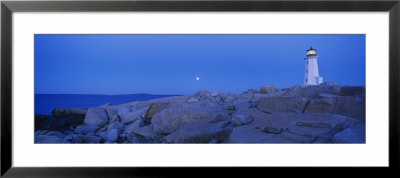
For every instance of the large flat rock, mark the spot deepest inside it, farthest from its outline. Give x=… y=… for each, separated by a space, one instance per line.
x=282 y=104
x=353 y=106
x=353 y=134
x=325 y=104
x=168 y=120
x=323 y=120
x=312 y=90
x=311 y=132
x=288 y=127
x=250 y=134
x=278 y=122
x=198 y=131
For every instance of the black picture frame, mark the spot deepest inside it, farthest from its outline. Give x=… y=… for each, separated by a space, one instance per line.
x=8 y=7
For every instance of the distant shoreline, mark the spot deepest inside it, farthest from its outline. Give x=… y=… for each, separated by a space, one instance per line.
x=45 y=103
x=111 y=94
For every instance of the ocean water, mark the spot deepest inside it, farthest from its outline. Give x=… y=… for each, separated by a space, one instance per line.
x=45 y=103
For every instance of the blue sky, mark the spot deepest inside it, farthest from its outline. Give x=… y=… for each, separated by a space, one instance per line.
x=169 y=64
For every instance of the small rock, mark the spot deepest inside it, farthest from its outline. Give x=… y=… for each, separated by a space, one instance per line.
x=91 y=134
x=229 y=106
x=224 y=124
x=229 y=99
x=193 y=100
x=115 y=125
x=102 y=134
x=214 y=94
x=203 y=94
x=115 y=118
x=85 y=139
x=239 y=119
x=76 y=139
x=131 y=127
x=251 y=91
x=68 y=132
x=68 y=138
x=112 y=111
x=217 y=98
x=272 y=130
x=112 y=135
x=133 y=116
x=123 y=110
x=146 y=132
x=242 y=104
x=123 y=136
x=213 y=141
x=85 y=129
x=267 y=89
x=96 y=116
x=154 y=108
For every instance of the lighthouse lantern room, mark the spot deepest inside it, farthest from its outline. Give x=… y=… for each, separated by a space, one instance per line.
x=311 y=76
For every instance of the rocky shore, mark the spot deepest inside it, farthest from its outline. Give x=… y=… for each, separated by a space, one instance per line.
x=325 y=113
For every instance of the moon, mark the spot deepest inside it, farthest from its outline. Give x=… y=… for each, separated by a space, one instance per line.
x=197 y=78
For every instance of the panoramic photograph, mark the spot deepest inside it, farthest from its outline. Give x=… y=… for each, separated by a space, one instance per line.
x=199 y=89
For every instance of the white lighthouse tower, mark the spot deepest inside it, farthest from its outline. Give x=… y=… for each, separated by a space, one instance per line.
x=311 y=75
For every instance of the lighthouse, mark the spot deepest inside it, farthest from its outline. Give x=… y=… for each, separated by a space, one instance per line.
x=311 y=75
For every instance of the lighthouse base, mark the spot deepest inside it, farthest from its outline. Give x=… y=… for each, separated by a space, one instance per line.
x=314 y=81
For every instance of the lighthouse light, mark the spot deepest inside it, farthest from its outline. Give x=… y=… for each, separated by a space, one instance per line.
x=310 y=52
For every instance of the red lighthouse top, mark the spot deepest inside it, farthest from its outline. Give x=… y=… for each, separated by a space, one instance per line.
x=311 y=52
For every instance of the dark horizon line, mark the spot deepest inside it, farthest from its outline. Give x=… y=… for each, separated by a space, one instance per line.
x=199 y=34
x=166 y=94
x=105 y=94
